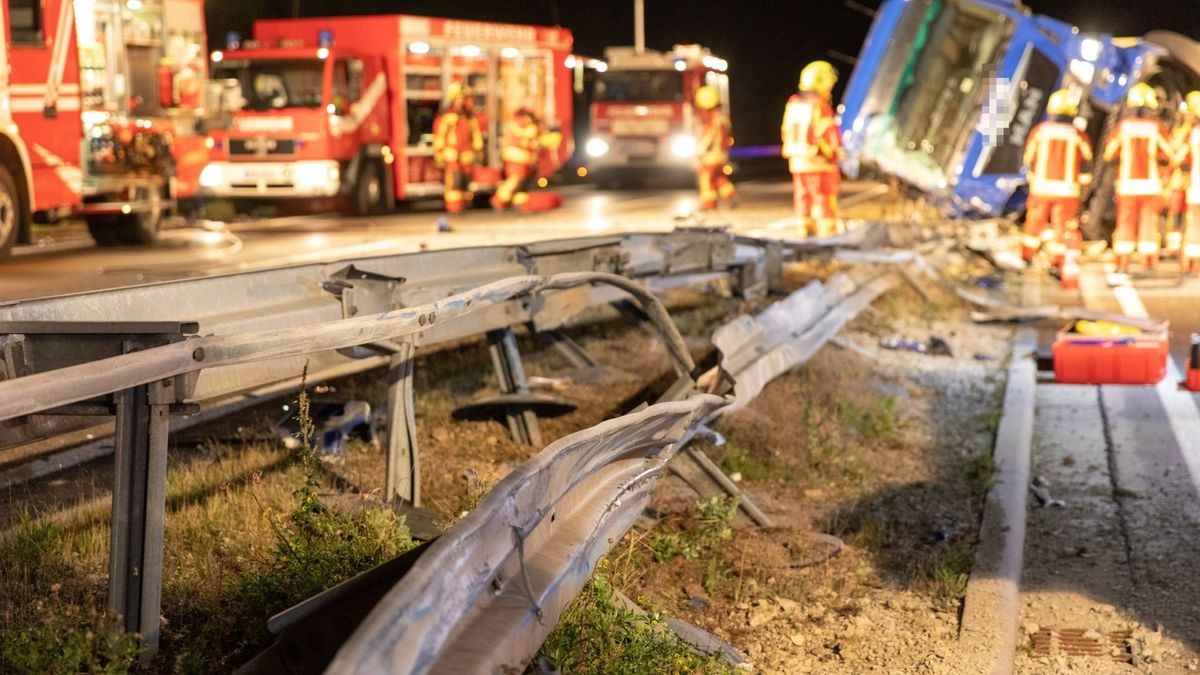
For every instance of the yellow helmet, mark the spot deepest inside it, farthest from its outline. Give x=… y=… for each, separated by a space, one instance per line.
x=1063 y=104
x=1193 y=103
x=818 y=77
x=455 y=91
x=707 y=98
x=1141 y=95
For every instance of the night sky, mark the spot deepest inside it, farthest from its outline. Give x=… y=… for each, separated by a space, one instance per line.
x=766 y=43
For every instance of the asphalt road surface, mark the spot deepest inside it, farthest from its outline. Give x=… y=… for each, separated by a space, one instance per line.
x=64 y=260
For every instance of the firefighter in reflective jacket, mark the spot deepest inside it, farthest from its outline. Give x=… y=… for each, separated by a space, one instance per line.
x=812 y=146
x=1139 y=145
x=457 y=143
x=1057 y=156
x=520 y=155
x=1177 y=206
x=713 y=150
x=1188 y=159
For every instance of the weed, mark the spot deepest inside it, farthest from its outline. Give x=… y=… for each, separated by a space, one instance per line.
x=716 y=521
x=874 y=420
x=735 y=459
x=45 y=632
x=671 y=545
x=598 y=635
x=69 y=642
x=991 y=421
x=953 y=569
x=981 y=471
x=715 y=516
x=315 y=547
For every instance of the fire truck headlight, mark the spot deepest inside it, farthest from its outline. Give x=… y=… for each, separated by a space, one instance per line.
x=312 y=175
x=683 y=147
x=212 y=176
x=596 y=147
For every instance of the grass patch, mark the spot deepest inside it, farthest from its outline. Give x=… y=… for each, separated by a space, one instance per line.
x=874 y=420
x=953 y=570
x=735 y=459
x=599 y=635
x=246 y=535
x=313 y=548
x=981 y=471
x=45 y=629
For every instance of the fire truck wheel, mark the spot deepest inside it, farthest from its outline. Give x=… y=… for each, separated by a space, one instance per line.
x=369 y=192
x=137 y=228
x=103 y=229
x=10 y=212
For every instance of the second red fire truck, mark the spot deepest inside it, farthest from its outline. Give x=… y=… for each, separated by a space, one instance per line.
x=343 y=107
x=642 y=119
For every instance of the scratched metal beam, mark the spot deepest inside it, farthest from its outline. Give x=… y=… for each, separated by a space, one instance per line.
x=486 y=594
x=756 y=350
x=50 y=389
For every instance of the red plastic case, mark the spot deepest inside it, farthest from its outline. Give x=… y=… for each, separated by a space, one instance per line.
x=1086 y=359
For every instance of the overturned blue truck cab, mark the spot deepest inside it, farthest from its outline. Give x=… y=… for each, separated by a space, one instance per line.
x=945 y=93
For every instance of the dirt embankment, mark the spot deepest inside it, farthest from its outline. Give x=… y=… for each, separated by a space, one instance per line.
x=890 y=452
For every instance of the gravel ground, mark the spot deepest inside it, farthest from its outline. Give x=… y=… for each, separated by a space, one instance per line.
x=905 y=496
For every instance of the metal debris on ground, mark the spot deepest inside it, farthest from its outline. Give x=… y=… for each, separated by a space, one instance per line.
x=902 y=344
x=552 y=383
x=1040 y=488
x=336 y=424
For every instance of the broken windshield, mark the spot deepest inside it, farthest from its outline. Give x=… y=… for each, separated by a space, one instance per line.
x=926 y=98
x=276 y=83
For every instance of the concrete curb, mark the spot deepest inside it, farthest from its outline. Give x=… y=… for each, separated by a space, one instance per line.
x=991 y=608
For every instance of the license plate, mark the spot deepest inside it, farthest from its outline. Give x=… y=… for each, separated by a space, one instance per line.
x=640 y=148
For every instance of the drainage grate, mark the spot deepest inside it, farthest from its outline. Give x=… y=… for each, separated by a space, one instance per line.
x=1083 y=642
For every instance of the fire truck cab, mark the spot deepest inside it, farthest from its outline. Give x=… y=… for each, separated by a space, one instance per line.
x=641 y=117
x=101 y=103
x=343 y=107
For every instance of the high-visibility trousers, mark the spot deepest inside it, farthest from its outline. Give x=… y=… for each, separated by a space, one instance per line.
x=1176 y=217
x=456 y=178
x=814 y=197
x=1190 y=244
x=1137 y=229
x=514 y=190
x=1046 y=221
x=714 y=185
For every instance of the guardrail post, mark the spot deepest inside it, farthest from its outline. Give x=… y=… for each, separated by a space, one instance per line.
x=571 y=350
x=403 y=479
x=139 y=503
x=506 y=359
x=774 y=250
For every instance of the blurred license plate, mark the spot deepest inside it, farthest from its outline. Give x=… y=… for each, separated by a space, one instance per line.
x=640 y=148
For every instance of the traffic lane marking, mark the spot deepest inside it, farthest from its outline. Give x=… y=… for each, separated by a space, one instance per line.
x=1179 y=406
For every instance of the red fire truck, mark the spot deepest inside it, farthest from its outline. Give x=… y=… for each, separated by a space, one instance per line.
x=100 y=102
x=641 y=116
x=343 y=107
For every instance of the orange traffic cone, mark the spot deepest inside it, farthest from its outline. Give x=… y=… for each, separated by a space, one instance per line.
x=1069 y=273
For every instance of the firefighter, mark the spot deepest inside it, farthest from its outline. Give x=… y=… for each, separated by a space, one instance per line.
x=1177 y=206
x=1058 y=157
x=457 y=142
x=520 y=153
x=713 y=151
x=1188 y=159
x=1138 y=144
x=812 y=146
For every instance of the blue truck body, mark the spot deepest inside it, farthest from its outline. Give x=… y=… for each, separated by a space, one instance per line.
x=945 y=92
